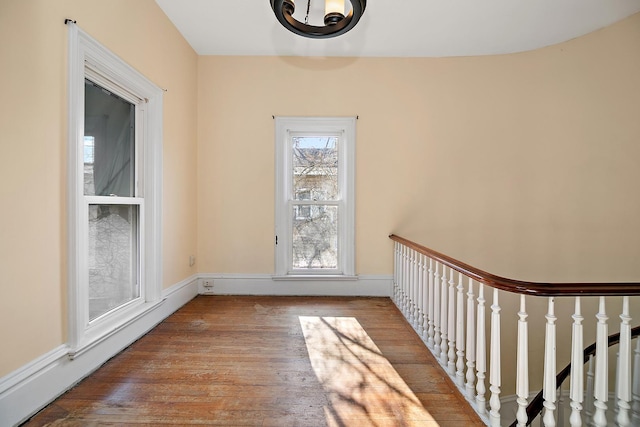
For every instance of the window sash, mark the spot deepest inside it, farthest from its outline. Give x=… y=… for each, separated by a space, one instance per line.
x=114 y=259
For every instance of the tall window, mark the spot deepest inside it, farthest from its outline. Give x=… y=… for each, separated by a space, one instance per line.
x=314 y=196
x=115 y=137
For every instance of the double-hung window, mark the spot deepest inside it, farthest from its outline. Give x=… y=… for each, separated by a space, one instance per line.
x=315 y=196
x=115 y=143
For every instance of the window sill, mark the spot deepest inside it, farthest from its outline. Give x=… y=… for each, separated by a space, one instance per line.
x=317 y=277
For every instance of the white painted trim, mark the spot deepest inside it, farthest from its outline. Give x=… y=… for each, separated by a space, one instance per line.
x=31 y=387
x=266 y=284
x=26 y=372
x=88 y=57
x=345 y=128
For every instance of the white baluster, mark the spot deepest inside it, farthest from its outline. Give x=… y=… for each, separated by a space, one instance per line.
x=424 y=279
x=635 y=408
x=577 y=362
x=395 y=272
x=412 y=288
x=601 y=380
x=422 y=311
x=494 y=374
x=407 y=293
x=481 y=353
x=589 y=406
x=615 y=386
x=522 y=368
x=549 y=383
x=451 y=321
x=624 y=367
x=436 y=311
x=399 y=278
x=561 y=405
x=416 y=292
x=471 y=342
x=431 y=297
x=444 y=317
x=401 y=281
x=407 y=287
x=405 y=283
x=460 y=333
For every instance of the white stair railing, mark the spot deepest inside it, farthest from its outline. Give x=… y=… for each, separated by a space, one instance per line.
x=444 y=300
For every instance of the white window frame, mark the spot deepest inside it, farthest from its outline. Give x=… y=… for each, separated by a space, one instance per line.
x=285 y=128
x=89 y=59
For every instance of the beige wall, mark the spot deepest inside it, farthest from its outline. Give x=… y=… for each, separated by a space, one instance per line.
x=525 y=164
x=33 y=135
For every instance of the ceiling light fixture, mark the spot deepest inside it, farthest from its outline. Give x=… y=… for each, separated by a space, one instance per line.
x=335 y=21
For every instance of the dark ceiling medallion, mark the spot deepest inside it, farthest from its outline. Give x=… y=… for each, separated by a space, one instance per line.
x=335 y=23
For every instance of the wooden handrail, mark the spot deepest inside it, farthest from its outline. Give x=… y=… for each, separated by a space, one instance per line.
x=536 y=404
x=522 y=287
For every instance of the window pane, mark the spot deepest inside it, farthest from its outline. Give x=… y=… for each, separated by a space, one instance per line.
x=109 y=143
x=113 y=257
x=315 y=168
x=315 y=236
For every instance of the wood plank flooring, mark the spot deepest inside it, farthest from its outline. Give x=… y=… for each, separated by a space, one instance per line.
x=270 y=361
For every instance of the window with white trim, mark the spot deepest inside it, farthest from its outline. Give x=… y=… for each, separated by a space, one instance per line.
x=315 y=196
x=114 y=192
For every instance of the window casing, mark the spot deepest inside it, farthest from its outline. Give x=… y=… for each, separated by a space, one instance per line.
x=315 y=197
x=114 y=192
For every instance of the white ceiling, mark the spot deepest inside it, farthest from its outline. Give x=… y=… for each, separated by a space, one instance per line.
x=395 y=28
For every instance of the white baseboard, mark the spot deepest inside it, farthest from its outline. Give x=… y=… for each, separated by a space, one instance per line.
x=30 y=388
x=264 y=284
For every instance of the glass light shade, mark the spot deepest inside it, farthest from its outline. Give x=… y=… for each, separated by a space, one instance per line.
x=334 y=6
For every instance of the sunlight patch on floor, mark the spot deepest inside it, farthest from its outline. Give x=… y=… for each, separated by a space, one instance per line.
x=363 y=387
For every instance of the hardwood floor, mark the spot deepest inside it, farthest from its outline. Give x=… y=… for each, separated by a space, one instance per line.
x=270 y=361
